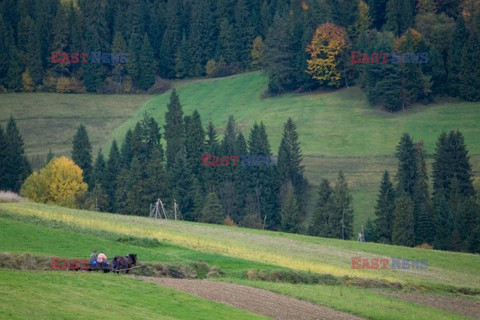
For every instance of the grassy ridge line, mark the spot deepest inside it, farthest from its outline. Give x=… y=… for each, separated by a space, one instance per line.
x=84 y=295
x=286 y=250
x=338 y=123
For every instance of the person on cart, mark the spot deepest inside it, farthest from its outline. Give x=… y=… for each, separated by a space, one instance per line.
x=102 y=261
x=93 y=260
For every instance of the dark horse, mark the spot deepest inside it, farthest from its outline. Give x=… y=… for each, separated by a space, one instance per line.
x=124 y=263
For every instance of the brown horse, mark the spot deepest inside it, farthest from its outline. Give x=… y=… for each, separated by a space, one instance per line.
x=124 y=263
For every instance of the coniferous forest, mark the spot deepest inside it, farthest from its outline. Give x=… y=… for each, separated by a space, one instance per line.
x=301 y=45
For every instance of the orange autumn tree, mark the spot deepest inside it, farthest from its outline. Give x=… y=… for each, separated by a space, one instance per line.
x=326 y=49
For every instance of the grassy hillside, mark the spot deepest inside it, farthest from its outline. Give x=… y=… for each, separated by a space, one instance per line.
x=284 y=250
x=36 y=295
x=53 y=231
x=49 y=120
x=338 y=129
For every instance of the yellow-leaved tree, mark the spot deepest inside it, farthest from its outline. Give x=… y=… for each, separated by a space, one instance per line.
x=60 y=182
x=326 y=50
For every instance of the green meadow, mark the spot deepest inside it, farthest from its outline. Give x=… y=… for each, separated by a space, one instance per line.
x=338 y=130
x=45 y=230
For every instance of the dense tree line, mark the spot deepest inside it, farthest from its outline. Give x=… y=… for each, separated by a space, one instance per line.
x=140 y=171
x=407 y=213
x=288 y=39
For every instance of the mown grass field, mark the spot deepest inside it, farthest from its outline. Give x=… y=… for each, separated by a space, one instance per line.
x=64 y=295
x=54 y=231
x=50 y=120
x=338 y=130
x=298 y=252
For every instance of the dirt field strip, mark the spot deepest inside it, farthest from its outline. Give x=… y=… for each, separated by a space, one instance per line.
x=252 y=299
x=463 y=306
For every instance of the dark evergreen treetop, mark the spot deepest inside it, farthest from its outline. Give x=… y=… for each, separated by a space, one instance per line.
x=82 y=153
x=174 y=128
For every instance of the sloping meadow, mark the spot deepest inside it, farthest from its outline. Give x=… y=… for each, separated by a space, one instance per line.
x=304 y=253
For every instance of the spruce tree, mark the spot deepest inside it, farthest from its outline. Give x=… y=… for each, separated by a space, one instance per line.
x=4 y=50
x=407 y=172
x=443 y=222
x=289 y=167
x=147 y=77
x=17 y=167
x=100 y=171
x=227 y=42
x=118 y=46
x=421 y=199
x=454 y=62
x=194 y=142
x=384 y=209
x=201 y=36
x=136 y=200
x=113 y=170
x=3 y=159
x=14 y=73
x=403 y=224
x=244 y=31
x=290 y=216
x=470 y=88
x=181 y=181
x=321 y=225
x=280 y=56
x=341 y=220
x=156 y=184
x=212 y=211
x=82 y=154
x=127 y=153
x=399 y=15
x=174 y=128
x=370 y=232
x=261 y=178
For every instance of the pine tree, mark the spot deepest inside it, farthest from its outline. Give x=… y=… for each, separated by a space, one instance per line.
x=244 y=31
x=182 y=181
x=174 y=128
x=3 y=159
x=118 y=46
x=442 y=222
x=342 y=218
x=100 y=176
x=147 y=77
x=201 y=36
x=399 y=15
x=321 y=225
x=403 y=224
x=470 y=88
x=182 y=60
x=370 y=232
x=112 y=172
x=421 y=199
x=455 y=54
x=212 y=211
x=14 y=73
x=127 y=153
x=227 y=42
x=82 y=154
x=289 y=167
x=261 y=179
x=156 y=184
x=407 y=172
x=384 y=210
x=136 y=202
x=290 y=216
x=280 y=56
x=452 y=160
x=17 y=167
x=194 y=142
